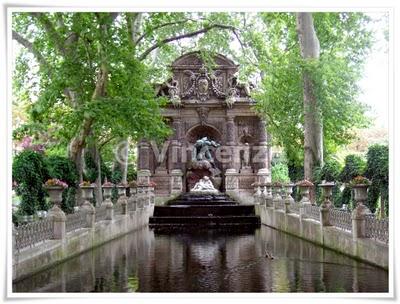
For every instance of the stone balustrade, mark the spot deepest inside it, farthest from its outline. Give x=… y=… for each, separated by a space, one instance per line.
x=360 y=222
x=57 y=224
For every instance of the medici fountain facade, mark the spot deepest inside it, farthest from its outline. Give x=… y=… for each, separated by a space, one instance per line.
x=216 y=133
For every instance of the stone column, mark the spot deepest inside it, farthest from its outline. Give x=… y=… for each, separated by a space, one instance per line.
x=143 y=174
x=263 y=172
x=231 y=176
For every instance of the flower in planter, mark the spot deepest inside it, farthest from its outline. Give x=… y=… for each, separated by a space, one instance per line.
x=55 y=182
x=360 y=180
x=304 y=183
x=87 y=184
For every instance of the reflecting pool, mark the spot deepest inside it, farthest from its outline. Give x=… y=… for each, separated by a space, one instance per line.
x=264 y=260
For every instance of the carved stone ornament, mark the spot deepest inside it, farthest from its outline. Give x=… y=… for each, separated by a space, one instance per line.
x=203 y=114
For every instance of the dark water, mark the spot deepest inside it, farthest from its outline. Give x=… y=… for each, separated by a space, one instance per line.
x=208 y=261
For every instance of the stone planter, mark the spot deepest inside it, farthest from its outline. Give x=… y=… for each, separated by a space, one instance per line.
x=360 y=197
x=305 y=195
x=288 y=188
x=107 y=191
x=327 y=193
x=268 y=195
x=121 y=190
x=87 y=192
x=55 y=194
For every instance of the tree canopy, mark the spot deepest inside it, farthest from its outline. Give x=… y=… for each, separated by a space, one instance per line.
x=86 y=75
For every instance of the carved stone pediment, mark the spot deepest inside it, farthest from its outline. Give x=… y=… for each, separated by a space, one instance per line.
x=192 y=81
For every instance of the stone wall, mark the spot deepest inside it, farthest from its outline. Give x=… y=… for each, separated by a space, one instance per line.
x=30 y=260
x=364 y=249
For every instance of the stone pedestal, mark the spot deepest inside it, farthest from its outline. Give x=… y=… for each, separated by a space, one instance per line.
x=231 y=180
x=59 y=218
x=263 y=176
x=90 y=214
x=143 y=177
x=176 y=183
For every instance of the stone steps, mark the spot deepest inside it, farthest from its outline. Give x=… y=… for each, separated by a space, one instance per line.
x=208 y=210
x=203 y=210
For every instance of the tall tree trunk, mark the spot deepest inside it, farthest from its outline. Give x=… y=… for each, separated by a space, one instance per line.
x=313 y=136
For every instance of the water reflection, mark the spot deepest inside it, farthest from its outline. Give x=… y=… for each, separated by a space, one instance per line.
x=208 y=261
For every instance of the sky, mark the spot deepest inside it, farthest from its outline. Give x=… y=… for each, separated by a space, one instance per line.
x=375 y=82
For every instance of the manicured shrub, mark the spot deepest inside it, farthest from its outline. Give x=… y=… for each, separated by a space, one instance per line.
x=29 y=171
x=377 y=171
x=354 y=166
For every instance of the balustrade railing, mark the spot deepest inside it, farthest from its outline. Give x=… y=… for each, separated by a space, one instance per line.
x=27 y=235
x=377 y=229
x=312 y=212
x=340 y=219
x=75 y=221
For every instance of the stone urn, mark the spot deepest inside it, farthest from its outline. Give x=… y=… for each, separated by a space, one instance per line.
x=87 y=192
x=121 y=190
x=304 y=187
x=107 y=191
x=268 y=194
x=327 y=189
x=55 y=194
x=360 y=197
x=288 y=189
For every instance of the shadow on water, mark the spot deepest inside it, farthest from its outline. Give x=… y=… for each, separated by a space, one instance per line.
x=208 y=261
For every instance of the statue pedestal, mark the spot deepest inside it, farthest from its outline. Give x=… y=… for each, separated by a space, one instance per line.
x=246 y=170
x=143 y=177
x=263 y=176
x=176 y=185
x=231 y=180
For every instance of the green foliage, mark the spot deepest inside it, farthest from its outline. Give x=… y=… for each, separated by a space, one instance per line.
x=280 y=173
x=329 y=172
x=354 y=166
x=29 y=170
x=345 y=42
x=377 y=171
x=65 y=170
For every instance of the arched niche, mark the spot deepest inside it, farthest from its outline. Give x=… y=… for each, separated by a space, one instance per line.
x=201 y=131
